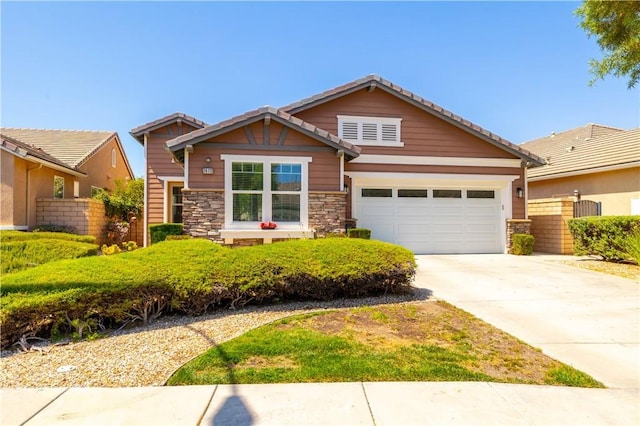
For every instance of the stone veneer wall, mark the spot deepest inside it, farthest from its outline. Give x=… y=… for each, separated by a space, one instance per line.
x=327 y=211
x=86 y=215
x=516 y=226
x=203 y=213
x=549 y=224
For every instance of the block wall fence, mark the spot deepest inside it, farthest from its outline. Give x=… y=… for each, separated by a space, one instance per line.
x=86 y=215
x=550 y=225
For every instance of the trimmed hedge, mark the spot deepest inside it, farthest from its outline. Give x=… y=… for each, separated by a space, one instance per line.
x=522 y=244
x=359 y=233
x=24 y=236
x=160 y=231
x=192 y=277
x=603 y=236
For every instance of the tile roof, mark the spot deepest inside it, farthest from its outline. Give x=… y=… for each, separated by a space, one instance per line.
x=585 y=149
x=70 y=147
x=252 y=116
x=24 y=150
x=430 y=107
x=139 y=131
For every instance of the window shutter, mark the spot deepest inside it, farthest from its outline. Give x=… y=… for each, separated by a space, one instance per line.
x=389 y=133
x=369 y=132
x=350 y=131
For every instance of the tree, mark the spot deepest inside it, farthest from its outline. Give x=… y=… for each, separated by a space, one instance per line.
x=125 y=200
x=616 y=24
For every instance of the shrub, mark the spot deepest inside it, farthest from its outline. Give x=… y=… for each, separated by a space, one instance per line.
x=359 y=233
x=603 y=236
x=26 y=236
x=17 y=255
x=125 y=200
x=632 y=246
x=143 y=284
x=130 y=246
x=177 y=237
x=159 y=232
x=522 y=244
x=109 y=250
x=56 y=228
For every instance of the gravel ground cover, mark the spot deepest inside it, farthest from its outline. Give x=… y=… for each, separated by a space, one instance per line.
x=148 y=356
x=624 y=270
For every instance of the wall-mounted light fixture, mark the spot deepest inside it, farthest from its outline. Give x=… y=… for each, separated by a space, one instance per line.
x=520 y=192
x=208 y=159
x=576 y=194
x=346 y=188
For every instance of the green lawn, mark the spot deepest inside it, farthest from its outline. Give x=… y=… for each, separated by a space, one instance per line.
x=431 y=341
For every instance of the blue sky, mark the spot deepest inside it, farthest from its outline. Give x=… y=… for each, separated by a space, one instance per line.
x=518 y=69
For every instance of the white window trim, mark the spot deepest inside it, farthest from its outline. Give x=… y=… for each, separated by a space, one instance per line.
x=229 y=159
x=166 y=181
x=378 y=121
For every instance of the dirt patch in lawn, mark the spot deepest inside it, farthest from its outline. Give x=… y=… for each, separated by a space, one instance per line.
x=487 y=349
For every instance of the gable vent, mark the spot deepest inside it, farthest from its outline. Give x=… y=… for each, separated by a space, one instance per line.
x=373 y=131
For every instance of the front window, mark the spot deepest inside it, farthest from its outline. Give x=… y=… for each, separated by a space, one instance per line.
x=58 y=187
x=176 y=204
x=261 y=189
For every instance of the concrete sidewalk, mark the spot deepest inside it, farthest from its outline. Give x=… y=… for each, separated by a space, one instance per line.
x=444 y=403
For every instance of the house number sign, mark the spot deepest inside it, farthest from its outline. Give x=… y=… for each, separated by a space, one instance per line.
x=207 y=170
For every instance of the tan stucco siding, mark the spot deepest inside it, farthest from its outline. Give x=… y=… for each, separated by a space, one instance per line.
x=615 y=189
x=422 y=133
x=8 y=209
x=99 y=169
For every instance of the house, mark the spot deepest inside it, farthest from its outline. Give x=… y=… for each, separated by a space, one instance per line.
x=593 y=162
x=58 y=164
x=409 y=170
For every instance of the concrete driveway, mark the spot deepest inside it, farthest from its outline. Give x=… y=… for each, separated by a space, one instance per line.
x=586 y=319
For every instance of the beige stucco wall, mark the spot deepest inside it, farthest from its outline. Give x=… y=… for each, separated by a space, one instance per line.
x=6 y=190
x=614 y=189
x=100 y=172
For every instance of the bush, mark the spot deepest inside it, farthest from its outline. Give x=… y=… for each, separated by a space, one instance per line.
x=49 y=227
x=141 y=285
x=26 y=236
x=359 y=233
x=130 y=246
x=17 y=255
x=603 y=236
x=177 y=237
x=159 y=232
x=109 y=250
x=632 y=246
x=522 y=244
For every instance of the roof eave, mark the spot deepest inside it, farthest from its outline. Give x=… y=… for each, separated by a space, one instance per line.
x=179 y=143
x=599 y=169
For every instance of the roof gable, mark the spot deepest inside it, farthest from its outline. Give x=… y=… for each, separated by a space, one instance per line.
x=176 y=117
x=576 y=151
x=266 y=113
x=22 y=150
x=373 y=82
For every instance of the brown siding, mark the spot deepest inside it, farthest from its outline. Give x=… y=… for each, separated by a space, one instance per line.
x=422 y=133
x=159 y=163
x=324 y=170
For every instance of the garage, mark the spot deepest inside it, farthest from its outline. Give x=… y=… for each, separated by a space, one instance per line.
x=433 y=218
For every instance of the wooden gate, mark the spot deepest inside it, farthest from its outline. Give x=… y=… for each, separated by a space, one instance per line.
x=587 y=208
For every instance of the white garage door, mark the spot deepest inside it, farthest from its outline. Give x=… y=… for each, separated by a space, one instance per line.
x=432 y=220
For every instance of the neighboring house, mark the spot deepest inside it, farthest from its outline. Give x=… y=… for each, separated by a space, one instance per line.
x=55 y=164
x=592 y=162
x=409 y=170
